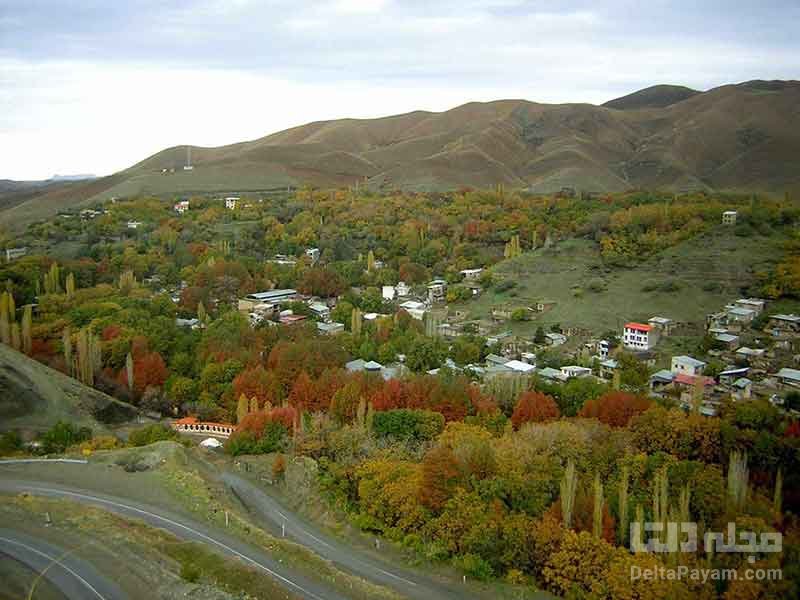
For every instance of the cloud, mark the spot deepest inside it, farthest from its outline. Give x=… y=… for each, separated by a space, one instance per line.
x=95 y=85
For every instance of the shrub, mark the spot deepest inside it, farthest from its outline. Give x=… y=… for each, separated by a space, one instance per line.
x=190 y=572
x=151 y=434
x=10 y=443
x=521 y=314
x=63 y=435
x=596 y=286
x=505 y=286
x=474 y=566
x=419 y=425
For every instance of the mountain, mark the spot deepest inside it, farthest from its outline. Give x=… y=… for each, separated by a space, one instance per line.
x=79 y=177
x=735 y=137
x=657 y=96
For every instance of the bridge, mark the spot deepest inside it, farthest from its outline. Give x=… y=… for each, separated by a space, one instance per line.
x=194 y=426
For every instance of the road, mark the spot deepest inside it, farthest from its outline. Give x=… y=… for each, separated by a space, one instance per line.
x=182 y=527
x=75 y=578
x=270 y=513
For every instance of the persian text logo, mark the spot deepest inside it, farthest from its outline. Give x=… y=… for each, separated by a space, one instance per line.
x=671 y=536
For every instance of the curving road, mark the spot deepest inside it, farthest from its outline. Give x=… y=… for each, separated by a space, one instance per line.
x=270 y=513
x=183 y=528
x=75 y=578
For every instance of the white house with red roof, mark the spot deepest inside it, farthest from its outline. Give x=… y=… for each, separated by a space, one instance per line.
x=638 y=336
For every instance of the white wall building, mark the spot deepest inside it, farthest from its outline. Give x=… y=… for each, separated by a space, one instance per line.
x=687 y=365
x=638 y=336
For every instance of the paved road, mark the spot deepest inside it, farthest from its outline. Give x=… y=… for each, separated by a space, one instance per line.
x=75 y=578
x=270 y=513
x=183 y=528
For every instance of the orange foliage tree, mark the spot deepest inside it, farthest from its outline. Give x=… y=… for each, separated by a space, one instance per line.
x=614 y=408
x=534 y=407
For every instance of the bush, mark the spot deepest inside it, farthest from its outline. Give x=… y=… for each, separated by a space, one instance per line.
x=505 y=286
x=190 y=572
x=151 y=434
x=521 y=314
x=272 y=439
x=10 y=443
x=596 y=286
x=63 y=435
x=419 y=425
x=474 y=566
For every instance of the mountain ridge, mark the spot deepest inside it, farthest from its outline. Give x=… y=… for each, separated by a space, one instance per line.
x=740 y=137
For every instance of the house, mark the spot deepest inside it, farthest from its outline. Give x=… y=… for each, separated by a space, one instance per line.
x=181 y=207
x=730 y=341
x=571 y=371
x=320 y=310
x=729 y=217
x=520 y=367
x=718 y=320
x=498 y=338
x=290 y=318
x=133 y=224
x=388 y=292
x=637 y=336
x=191 y=323
x=528 y=357
x=755 y=304
x=687 y=365
x=661 y=379
x=15 y=253
x=544 y=305
x=437 y=291
x=330 y=328
x=551 y=374
x=608 y=367
x=742 y=389
x=471 y=274
x=267 y=300
x=231 y=201
x=414 y=308
x=663 y=325
x=402 y=289
x=782 y=325
x=788 y=377
x=687 y=383
x=555 y=339
x=494 y=359
x=313 y=254
x=731 y=374
x=739 y=315
x=749 y=354
x=283 y=259
x=603 y=347
x=359 y=364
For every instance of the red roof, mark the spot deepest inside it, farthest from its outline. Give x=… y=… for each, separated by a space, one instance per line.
x=687 y=379
x=639 y=326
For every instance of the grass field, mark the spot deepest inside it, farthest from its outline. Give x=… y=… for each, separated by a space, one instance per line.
x=683 y=283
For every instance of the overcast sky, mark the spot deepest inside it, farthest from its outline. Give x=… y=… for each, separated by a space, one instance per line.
x=92 y=86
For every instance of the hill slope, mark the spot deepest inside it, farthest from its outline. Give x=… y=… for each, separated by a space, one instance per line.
x=657 y=96
x=737 y=137
x=35 y=397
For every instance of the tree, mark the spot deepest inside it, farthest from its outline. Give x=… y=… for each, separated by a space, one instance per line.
x=345 y=401
x=27 y=317
x=568 y=486
x=89 y=355
x=66 y=342
x=597 y=513
x=440 y=473
x=302 y=395
x=539 y=337
x=614 y=408
x=129 y=371
x=534 y=407
x=355 y=322
x=70 y=285
x=242 y=408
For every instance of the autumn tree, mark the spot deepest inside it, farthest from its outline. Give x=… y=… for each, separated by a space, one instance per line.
x=439 y=475
x=534 y=407
x=302 y=393
x=614 y=408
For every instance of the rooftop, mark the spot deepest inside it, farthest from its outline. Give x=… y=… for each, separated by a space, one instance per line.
x=688 y=360
x=787 y=373
x=638 y=326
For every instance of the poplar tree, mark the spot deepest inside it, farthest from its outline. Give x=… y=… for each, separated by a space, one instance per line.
x=16 y=338
x=568 y=485
x=597 y=515
x=27 y=325
x=66 y=342
x=623 y=504
x=129 y=370
x=70 y=285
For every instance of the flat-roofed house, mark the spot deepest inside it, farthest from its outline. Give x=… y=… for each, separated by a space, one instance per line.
x=271 y=297
x=788 y=377
x=638 y=336
x=687 y=365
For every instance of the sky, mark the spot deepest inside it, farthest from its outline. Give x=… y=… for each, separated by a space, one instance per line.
x=94 y=86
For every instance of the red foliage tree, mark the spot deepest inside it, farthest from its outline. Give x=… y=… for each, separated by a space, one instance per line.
x=389 y=396
x=303 y=395
x=257 y=382
x=110 y=332
x=149 y=370
x=440 y=473
x=534 y=407
x=615 y=408
x=793 y=430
